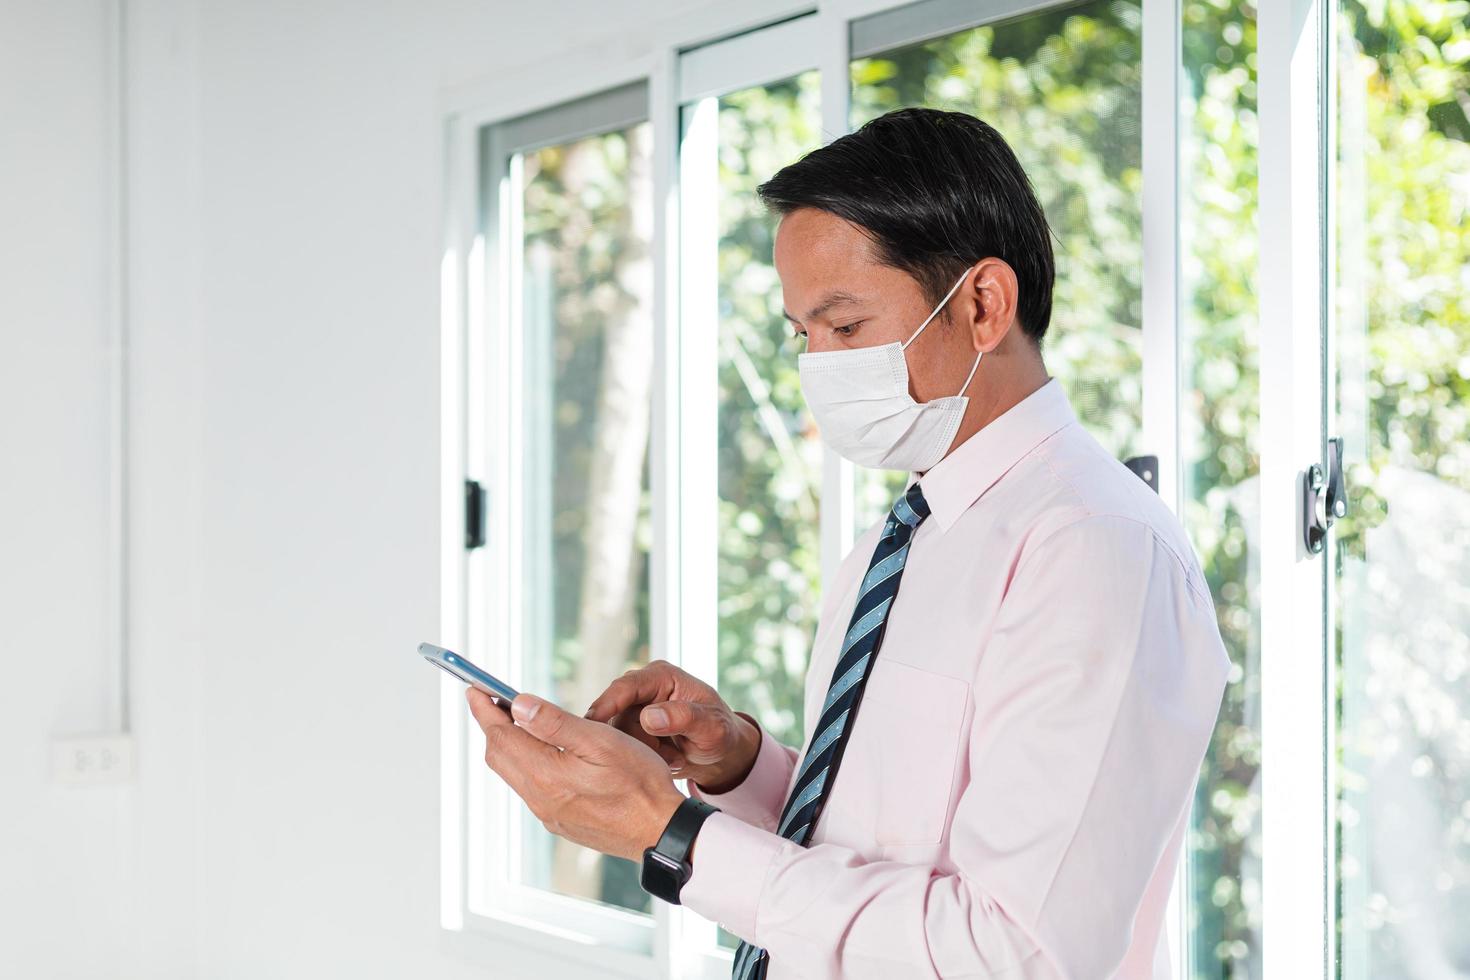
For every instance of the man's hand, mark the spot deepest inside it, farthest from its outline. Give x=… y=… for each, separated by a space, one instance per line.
x=684 y=721
x=584 y=781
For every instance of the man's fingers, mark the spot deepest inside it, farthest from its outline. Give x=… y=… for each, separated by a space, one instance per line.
x=700 y=723
x=508 y=750
x=701 y=733
x=556 y=727
x=651 y=683
x=620 y=694
x=627 y=722
x=485 y=710
x=670 y=753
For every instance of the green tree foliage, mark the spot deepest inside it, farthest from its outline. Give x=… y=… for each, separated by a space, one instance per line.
x=1219 y=421
x=1063 y=87
x=1411 y=62
x=770 y=459
x=1400 y=349
x=586 y=289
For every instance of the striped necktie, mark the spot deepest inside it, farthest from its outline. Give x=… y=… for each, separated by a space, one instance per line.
x=859 y=651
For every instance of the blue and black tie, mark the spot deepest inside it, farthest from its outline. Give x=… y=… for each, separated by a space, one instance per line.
x=859 y=651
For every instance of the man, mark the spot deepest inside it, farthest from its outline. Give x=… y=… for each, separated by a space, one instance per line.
x=1035 y=699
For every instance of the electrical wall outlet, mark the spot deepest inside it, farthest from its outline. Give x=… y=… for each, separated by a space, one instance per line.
x=93 y=759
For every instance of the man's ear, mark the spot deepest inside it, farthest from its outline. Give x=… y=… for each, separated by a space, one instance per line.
x=993 y=285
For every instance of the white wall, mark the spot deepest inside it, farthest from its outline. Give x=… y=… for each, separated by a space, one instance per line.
x=322 y=227
x=95 y=881
x=284 y=201
x=53 y=526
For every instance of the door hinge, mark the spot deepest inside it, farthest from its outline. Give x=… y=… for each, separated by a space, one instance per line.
x=474 y=515
x=1324 y=498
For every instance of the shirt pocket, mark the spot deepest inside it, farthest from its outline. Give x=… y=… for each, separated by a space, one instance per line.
x=919 y=725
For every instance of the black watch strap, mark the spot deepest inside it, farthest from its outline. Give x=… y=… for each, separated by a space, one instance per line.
x=660 y=878
x=678 y=836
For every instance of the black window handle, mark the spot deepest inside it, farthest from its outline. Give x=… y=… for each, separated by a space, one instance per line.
x=1146 y=468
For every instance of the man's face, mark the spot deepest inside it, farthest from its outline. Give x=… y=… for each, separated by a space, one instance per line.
x=836 y=293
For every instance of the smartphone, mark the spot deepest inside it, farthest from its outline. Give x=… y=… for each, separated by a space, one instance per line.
x=472 y=675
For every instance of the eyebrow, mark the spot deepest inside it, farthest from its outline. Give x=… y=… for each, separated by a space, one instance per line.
x=838 y=298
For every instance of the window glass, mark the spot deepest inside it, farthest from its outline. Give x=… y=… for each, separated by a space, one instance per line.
x=1063 y=88
x=1399 y=370
x=587 y=330
x=770 y=453
x=1220 y=460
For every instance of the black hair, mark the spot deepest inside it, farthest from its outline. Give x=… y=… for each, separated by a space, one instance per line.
x=936 y=191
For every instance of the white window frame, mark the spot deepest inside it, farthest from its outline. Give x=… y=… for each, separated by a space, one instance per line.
x=701 y=55
x=1298 y=835
x=482 y=348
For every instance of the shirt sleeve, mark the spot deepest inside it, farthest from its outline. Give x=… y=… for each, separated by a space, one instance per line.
x=1093 y=705
x=758 y=798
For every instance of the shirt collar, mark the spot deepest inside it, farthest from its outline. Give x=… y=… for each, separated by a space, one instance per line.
x=974 y=466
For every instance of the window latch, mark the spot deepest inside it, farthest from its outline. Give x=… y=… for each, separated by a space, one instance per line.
x=1324 y=498
x=474 y=515
x=1146 y=468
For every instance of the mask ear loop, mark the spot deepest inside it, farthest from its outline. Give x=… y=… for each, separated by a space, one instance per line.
x=931 y=316
x=973 y=368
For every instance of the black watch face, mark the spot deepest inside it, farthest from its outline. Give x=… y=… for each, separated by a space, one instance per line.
x=662 y=876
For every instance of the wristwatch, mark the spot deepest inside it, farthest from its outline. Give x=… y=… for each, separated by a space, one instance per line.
x=666 y=864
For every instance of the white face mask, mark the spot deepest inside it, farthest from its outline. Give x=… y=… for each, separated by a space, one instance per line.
x=861 y=402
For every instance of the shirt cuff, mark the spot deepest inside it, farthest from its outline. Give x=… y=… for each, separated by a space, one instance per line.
x=758 y=798
x=731 y=860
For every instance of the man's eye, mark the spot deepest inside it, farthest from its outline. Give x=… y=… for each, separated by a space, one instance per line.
x=846 y=331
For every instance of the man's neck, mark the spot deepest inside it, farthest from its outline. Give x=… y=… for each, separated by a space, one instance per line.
x=1017 y=380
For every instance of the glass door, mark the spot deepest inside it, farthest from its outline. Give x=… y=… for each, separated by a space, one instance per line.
x=1398 y=406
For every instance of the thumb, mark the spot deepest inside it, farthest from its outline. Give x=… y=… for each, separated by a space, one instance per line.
x=554 y=726
x=700 y=724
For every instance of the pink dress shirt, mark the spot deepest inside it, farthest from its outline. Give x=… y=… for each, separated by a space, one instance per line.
x=1014 y=796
